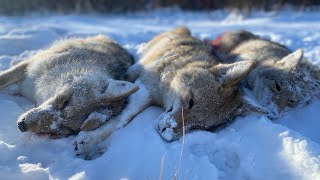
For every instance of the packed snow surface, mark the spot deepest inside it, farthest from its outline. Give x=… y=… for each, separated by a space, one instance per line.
x=253 y=147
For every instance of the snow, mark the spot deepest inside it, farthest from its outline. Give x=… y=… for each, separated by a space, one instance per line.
x=166 y=125
x=252 y=147
x=98 y=116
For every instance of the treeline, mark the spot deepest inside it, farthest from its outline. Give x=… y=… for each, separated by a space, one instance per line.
x=114 y=6
x=266 y=5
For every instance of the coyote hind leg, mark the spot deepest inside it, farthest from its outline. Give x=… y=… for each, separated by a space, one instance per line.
x=13 y=75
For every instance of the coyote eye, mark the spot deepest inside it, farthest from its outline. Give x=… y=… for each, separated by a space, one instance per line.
x=292 y=102
x=65 y=104
x=276 y=87
x=191 y=103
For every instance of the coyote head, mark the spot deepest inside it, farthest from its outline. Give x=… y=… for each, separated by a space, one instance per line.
x=65 y=112
x=203 y=98
x=281 y=85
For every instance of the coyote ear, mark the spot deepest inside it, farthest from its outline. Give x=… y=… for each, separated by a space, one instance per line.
x=119 y=89
x=292 y=60
x=232 y=73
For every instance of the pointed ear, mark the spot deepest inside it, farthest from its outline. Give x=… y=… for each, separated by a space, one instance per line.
x=119 y=89
x=231 y=74
x=292 y=60
x=249 y=105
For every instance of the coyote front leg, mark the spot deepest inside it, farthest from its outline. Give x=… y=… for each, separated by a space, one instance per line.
x=86 y=141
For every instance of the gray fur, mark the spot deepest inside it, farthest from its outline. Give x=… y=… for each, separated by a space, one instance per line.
x=175 y=68
x=76 y=84
x=185 y=79
x=226 y=42
x=281 y=78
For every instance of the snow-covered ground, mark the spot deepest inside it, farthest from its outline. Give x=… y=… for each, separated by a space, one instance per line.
x=252 y=147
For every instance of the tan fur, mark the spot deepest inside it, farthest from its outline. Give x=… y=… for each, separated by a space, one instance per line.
x=13 y=75
x=175 y=68
x=180 y=73
x=311 y=68
x=230 y=39
x=75 y=85
x=279 y=79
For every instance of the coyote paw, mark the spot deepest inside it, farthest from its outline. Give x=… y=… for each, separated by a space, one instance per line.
x=166 y=127
x=85 y=144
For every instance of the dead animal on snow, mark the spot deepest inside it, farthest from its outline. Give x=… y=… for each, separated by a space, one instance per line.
x=76 y=84
x=281 y=79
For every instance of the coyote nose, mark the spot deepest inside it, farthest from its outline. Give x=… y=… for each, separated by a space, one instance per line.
x=22 y=126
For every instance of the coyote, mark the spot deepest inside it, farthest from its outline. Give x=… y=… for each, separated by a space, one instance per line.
x=281 y=78
x=182 y=76
x=185 y=79
x=76 y=84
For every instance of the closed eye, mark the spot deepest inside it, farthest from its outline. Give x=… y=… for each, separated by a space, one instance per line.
x=65 y=104
x=292 y=102
x=191 y=103
x=276 y=87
